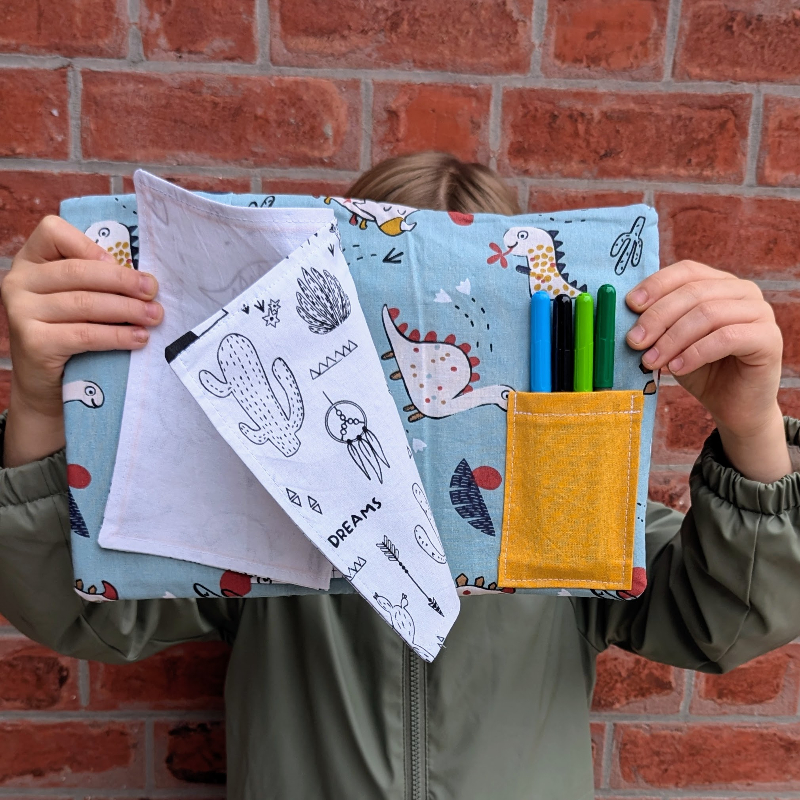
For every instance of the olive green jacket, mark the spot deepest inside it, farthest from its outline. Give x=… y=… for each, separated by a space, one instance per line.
x=325 y=701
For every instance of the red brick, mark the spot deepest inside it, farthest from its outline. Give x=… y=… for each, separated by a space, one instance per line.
x=33 y=678
x=26 y=197
x=318 y=188
x=544 y=199
x=769 y=685
x=595 y=38
x=66 y=28
x=786 y=306
x=598 y=732
x=199 y=30
x=5 y=394
x=671 y=489
x=779 y=158
x=627 y=682
x=35 y=118
x=592 y=134
x=4 y=342
x=184 y=677
x=754 y=237
x=789 y=401
x=723 y=40
x=84 y=754
x=206 y=119
x=682 y=426
x=408 y=118
x=481 y=36
x=189 y=752
x=199 y=183
x=706 y=756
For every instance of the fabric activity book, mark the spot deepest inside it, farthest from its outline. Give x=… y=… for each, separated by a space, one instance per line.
x=339 y=398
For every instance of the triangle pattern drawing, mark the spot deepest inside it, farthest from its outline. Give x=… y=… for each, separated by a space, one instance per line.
x=331 y=361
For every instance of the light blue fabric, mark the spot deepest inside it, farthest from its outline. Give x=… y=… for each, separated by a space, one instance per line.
x=450 y=279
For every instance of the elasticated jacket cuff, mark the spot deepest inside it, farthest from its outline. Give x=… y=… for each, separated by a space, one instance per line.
x=30 y=482
x=749 y=495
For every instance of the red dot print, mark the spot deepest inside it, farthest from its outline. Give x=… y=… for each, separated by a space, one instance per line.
x=439 y=388
x=461 y=219
x=453 y=369
x=234 y=584
x=427 y=399
x=78 y=477
x=416 y=349
x=487 y=477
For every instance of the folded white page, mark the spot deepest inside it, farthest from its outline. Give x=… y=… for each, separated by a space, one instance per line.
x=178 y=489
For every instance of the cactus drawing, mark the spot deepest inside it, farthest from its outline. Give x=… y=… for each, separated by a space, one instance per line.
x=246 y=379
x=627 y=247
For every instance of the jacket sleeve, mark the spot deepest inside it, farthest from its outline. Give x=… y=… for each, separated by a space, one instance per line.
x=723 y=581
x=36 y=580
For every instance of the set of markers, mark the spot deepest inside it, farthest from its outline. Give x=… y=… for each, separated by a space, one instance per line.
x=571 y=356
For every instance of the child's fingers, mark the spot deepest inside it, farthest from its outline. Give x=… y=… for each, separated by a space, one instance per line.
x=96 y=307
x=664 y=313
x=752 y=343
x=666 y=280
x=699 y=322
x=76 y=274
x=80 y=337
x=54 y=238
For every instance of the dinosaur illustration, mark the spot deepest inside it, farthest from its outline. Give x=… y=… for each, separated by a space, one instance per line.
x=478 y=586
x=117 y=239
x=391 y=219
x=543 y=264
x=438 y=375
x=86 y=392
x=245 y=378
x=627 y=247
x=92 y=595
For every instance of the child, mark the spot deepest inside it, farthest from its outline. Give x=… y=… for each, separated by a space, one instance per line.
x=323 y=699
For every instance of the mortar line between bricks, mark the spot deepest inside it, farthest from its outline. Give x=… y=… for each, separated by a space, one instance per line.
x=135 y=47
x=74 y=91
x=133 y=11
x=688 y=694
x=721 y=720
x=262 y=33
x=538 y=22
x=116 y=184
x=321 y=173
x=495 y=124
x=366 y=124
x=671 y=37
x=81 y=794
x=5 y=363
x=114 y=715
x=256 y=185
x=608 y=754
x=754 y=138
x=198 y=69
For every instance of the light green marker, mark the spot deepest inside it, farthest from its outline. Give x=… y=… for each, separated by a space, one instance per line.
x=584 y=342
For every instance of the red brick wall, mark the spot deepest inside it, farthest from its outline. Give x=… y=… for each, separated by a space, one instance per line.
x=692 y=105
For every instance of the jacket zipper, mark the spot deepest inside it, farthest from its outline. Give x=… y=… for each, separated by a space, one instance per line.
x=417 y=788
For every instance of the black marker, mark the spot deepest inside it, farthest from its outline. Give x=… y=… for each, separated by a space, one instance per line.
x=562 y=344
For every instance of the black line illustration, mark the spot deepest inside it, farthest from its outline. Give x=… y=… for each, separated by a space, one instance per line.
x=627 y=247
x=87 y=392
x=466 y=497
x=358 y=565
x=76 y=520
x=346 y=422
x=314 y=504
x=267 y=202
x=271 y=315
x=393 y=258
x=331 y=361
x=246 y=379
x=321 y=302
x=294 y=497
x=245 y=308
x=389 y=549
x=429 y=541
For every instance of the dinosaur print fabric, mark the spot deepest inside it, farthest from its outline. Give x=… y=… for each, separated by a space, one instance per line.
x=446 y=299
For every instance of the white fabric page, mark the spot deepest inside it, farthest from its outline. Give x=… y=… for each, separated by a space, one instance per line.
x=178 y=489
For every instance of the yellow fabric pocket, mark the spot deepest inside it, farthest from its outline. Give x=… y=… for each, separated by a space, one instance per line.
x=572 y=464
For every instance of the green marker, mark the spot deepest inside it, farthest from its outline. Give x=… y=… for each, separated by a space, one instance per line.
x=604 y=338
x=584 y=335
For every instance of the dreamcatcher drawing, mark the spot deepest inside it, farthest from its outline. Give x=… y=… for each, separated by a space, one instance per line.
x=346 y=422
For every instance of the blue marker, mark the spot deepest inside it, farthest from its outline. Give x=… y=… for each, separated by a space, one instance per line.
x=540 y=342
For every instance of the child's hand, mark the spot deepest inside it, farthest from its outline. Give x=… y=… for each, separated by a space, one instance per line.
x=717 y=335
x=60 y=295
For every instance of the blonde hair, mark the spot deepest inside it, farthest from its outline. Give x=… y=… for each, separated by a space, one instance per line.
x=436 y=181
